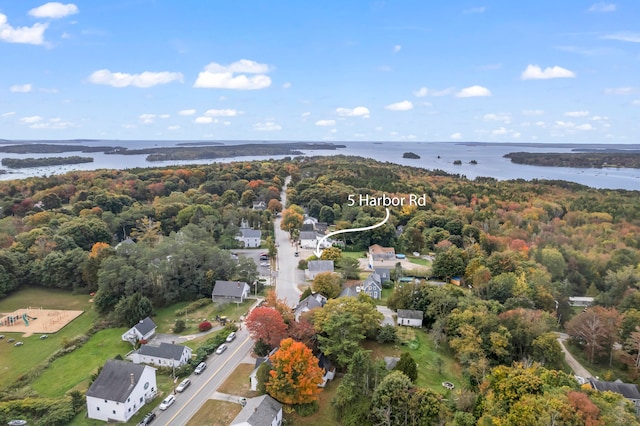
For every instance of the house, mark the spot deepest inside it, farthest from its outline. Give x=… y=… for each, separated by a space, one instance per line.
x=351 y=291
x=628 y=390
x=259 y=205
x=315 y=267
x=253 y=377
x=385 y=274
x=165 y=355
x=307 y=227
x=121 y=389
x=373 y=286
x=308 y=239
x=310 y=302
x=580 y=301
x=456 y=281
x=230 y=291
x=144 y=330
x=328 y=368
x=259 y=411
x=377 y=253
x=250 y=238
x=410 y=318
x=322 y=227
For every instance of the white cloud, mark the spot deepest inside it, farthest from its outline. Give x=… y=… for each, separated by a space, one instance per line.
x=326 y=123
x=186 y=112
x=397 y=48
x=333 y=130
x=286 y=85
x=500 y=131
x=203 y=120
x=173 y=127
x=530 y=112
x=456 y=135
x=541 y=124
x=586 y=126
x=222 y=113
x=52 y=123
x=147 y=118
x=21 y=88
x=501 y=116
x=8 y=114
x=602 y=7
x=411 y=137
x=400 y=106
x=619 y=91
x=165 y=116
x=267 y=126
x=423 y=91
x=599 y=118
x=564 y=124
x=31 y=120
x=26 y=35
x=143 y=80
x=516 y=134
x=623 y=36
x=378 y=128
x=54 y=10
x=473 y=91
x=234 y=76
x=534 y=72
x=306 y=114
x=635 y=102
x=474 y=10
x=576 y=114
x=359 y=111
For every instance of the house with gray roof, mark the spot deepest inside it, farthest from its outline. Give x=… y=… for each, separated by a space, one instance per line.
x=249 y=238
x=628 y=390
x=165 y=355
x=259 y=411
x=120 y=390
x=385 y=274
x=372 y=286
x=308 y=239
x=230 y=291
x=315 y=267
x=350 y=291
x=310 y=302
x=410 y=318
x=144 y=330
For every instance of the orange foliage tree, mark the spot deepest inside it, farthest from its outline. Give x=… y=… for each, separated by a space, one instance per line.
x=266 y=324
x=295 y=374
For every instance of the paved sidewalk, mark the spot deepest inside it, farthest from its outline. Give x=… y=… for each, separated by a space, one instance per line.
x=230 y=398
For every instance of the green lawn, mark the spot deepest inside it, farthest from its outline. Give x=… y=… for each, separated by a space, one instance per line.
x=326 y=415
x=238 y=382
x=419 y=261
x=14 y=362
x=600 y=369
x=74 y=370
x=165 y=318
x=354 y=254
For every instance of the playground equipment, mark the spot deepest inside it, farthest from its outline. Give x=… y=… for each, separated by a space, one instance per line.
x=26 y=319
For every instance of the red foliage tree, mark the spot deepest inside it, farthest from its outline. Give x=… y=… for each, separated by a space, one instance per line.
x=204 y=326
x=266 y=324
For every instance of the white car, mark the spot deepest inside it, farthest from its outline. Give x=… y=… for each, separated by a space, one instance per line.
x=200 y=368
x=231 y=336
x=183 y=385
x=221 y=349
x=167 y=402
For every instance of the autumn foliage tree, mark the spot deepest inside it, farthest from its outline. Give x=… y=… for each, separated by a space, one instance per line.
x=596 y=329
x=295 y=374
x=266 y=324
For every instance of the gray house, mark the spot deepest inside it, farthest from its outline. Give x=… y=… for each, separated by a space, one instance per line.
x=410 y=318
x=628 y=390
x=385 y=274
x=250 y=238
x=315 y=267
x=373 y=286
x=313 y=301
x=165 y=355
x=143 y=330
x=259 y=411
x=308 y=239
x=230 y=291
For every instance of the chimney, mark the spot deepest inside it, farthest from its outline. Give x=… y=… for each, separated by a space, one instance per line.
x=132 y=376
x=238 y=284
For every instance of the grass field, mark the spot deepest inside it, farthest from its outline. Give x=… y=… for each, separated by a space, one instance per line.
x=15 y=361
x=326 y=415
x=165 y=318
x=419 y=261
x=215 y=413
x=238 y=382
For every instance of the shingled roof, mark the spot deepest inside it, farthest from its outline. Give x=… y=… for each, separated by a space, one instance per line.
x=116 y=380
x=259 y=411
x=164 y=351
x=229 y=288
x=628 y=390
x=145 y=326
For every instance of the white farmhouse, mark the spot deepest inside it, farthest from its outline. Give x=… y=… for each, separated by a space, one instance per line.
x=144 y=330
x=121 y=389
x=250 y=238
x=165 y=355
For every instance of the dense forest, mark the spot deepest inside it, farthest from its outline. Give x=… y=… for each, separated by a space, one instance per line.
x=522 y=248
x=18 y=163
x=584 y=160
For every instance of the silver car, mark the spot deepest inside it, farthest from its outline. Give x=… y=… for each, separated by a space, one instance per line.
x=183 y=385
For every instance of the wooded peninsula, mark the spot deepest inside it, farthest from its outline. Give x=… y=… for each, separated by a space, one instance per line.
x=579 y=160
x=19 y=163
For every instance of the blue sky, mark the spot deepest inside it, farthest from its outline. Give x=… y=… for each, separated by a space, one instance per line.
x=496 y=70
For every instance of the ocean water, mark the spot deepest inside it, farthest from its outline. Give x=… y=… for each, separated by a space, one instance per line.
x=434 y=155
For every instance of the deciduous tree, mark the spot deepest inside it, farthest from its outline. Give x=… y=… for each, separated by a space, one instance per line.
x=329 y=284
x=266 y=324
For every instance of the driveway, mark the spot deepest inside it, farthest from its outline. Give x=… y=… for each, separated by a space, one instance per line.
x=577 y=368
x=388 y=315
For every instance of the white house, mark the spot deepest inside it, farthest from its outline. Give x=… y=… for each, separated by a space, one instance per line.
x=372 y=285
x=165 y=355
x=120 y=390
x=230 y=291
x=308 y=239
x=315 y=267
x=410 y=318
x=259 y=411
x=580 y=301
x=144 y=330
x=250 y=238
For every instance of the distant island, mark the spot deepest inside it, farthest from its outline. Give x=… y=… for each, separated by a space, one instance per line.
x=20 y=163
x=186 y=153
x=457 y=162
x=585 y=160
x=473 y=162
x=411 y=155
x=50 y=148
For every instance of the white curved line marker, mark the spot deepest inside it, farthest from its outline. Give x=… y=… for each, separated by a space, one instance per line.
x=318 y=252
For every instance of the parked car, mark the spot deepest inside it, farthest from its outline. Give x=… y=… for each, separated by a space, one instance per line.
x=167 y=402
x=231 y=337
x=17 y=422
x=264 y=256
x=183 y=385
x=200 y=368
x=19 y=344
x=221 y=349
x=147 y=419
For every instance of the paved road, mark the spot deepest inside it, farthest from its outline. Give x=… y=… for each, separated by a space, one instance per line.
x=577 y=368
x=388 y=315
x=287 y=274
